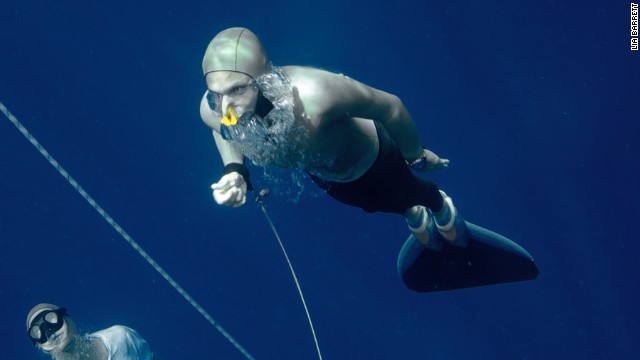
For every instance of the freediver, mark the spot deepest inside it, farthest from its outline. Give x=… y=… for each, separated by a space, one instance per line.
x=358 y=143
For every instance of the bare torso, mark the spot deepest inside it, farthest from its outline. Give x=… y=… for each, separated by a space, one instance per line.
x=345 y=149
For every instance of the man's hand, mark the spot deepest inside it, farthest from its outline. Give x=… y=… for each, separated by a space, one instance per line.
x=434 y=162
x=231 y=190
x=429 y=161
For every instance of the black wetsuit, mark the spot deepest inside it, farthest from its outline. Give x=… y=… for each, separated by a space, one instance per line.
x=388 y=186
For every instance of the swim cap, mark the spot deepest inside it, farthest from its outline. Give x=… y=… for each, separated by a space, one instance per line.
x=236 y=49
x=37 y=310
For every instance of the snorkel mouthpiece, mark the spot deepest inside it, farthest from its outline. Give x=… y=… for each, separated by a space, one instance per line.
x=230 y=119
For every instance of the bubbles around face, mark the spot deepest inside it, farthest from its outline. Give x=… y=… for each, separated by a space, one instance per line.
x=277 y=138
x=276 y=141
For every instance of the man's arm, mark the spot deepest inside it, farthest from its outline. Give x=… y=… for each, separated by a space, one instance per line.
x=231 y=189
x=227 y=153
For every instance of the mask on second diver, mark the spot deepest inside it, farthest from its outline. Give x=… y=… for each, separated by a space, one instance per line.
x=45 y=324
x=253 y=122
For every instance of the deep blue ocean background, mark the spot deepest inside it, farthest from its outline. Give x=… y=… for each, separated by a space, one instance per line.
x=534 y=103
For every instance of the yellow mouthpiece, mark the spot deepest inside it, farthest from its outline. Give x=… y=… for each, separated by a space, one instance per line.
x=230 y=119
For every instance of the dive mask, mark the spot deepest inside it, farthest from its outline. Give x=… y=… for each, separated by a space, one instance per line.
x=46 y=324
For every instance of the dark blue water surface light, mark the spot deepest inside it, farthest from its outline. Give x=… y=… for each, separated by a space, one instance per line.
x=534 y=103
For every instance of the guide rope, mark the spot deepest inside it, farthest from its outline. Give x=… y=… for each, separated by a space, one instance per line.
x=260 y=201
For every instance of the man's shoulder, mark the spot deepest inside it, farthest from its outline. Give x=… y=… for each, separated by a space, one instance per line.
x=306 y=75
x=316 y=88
x=116 y=331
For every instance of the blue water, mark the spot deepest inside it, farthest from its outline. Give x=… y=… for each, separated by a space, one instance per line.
x=535 y=103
